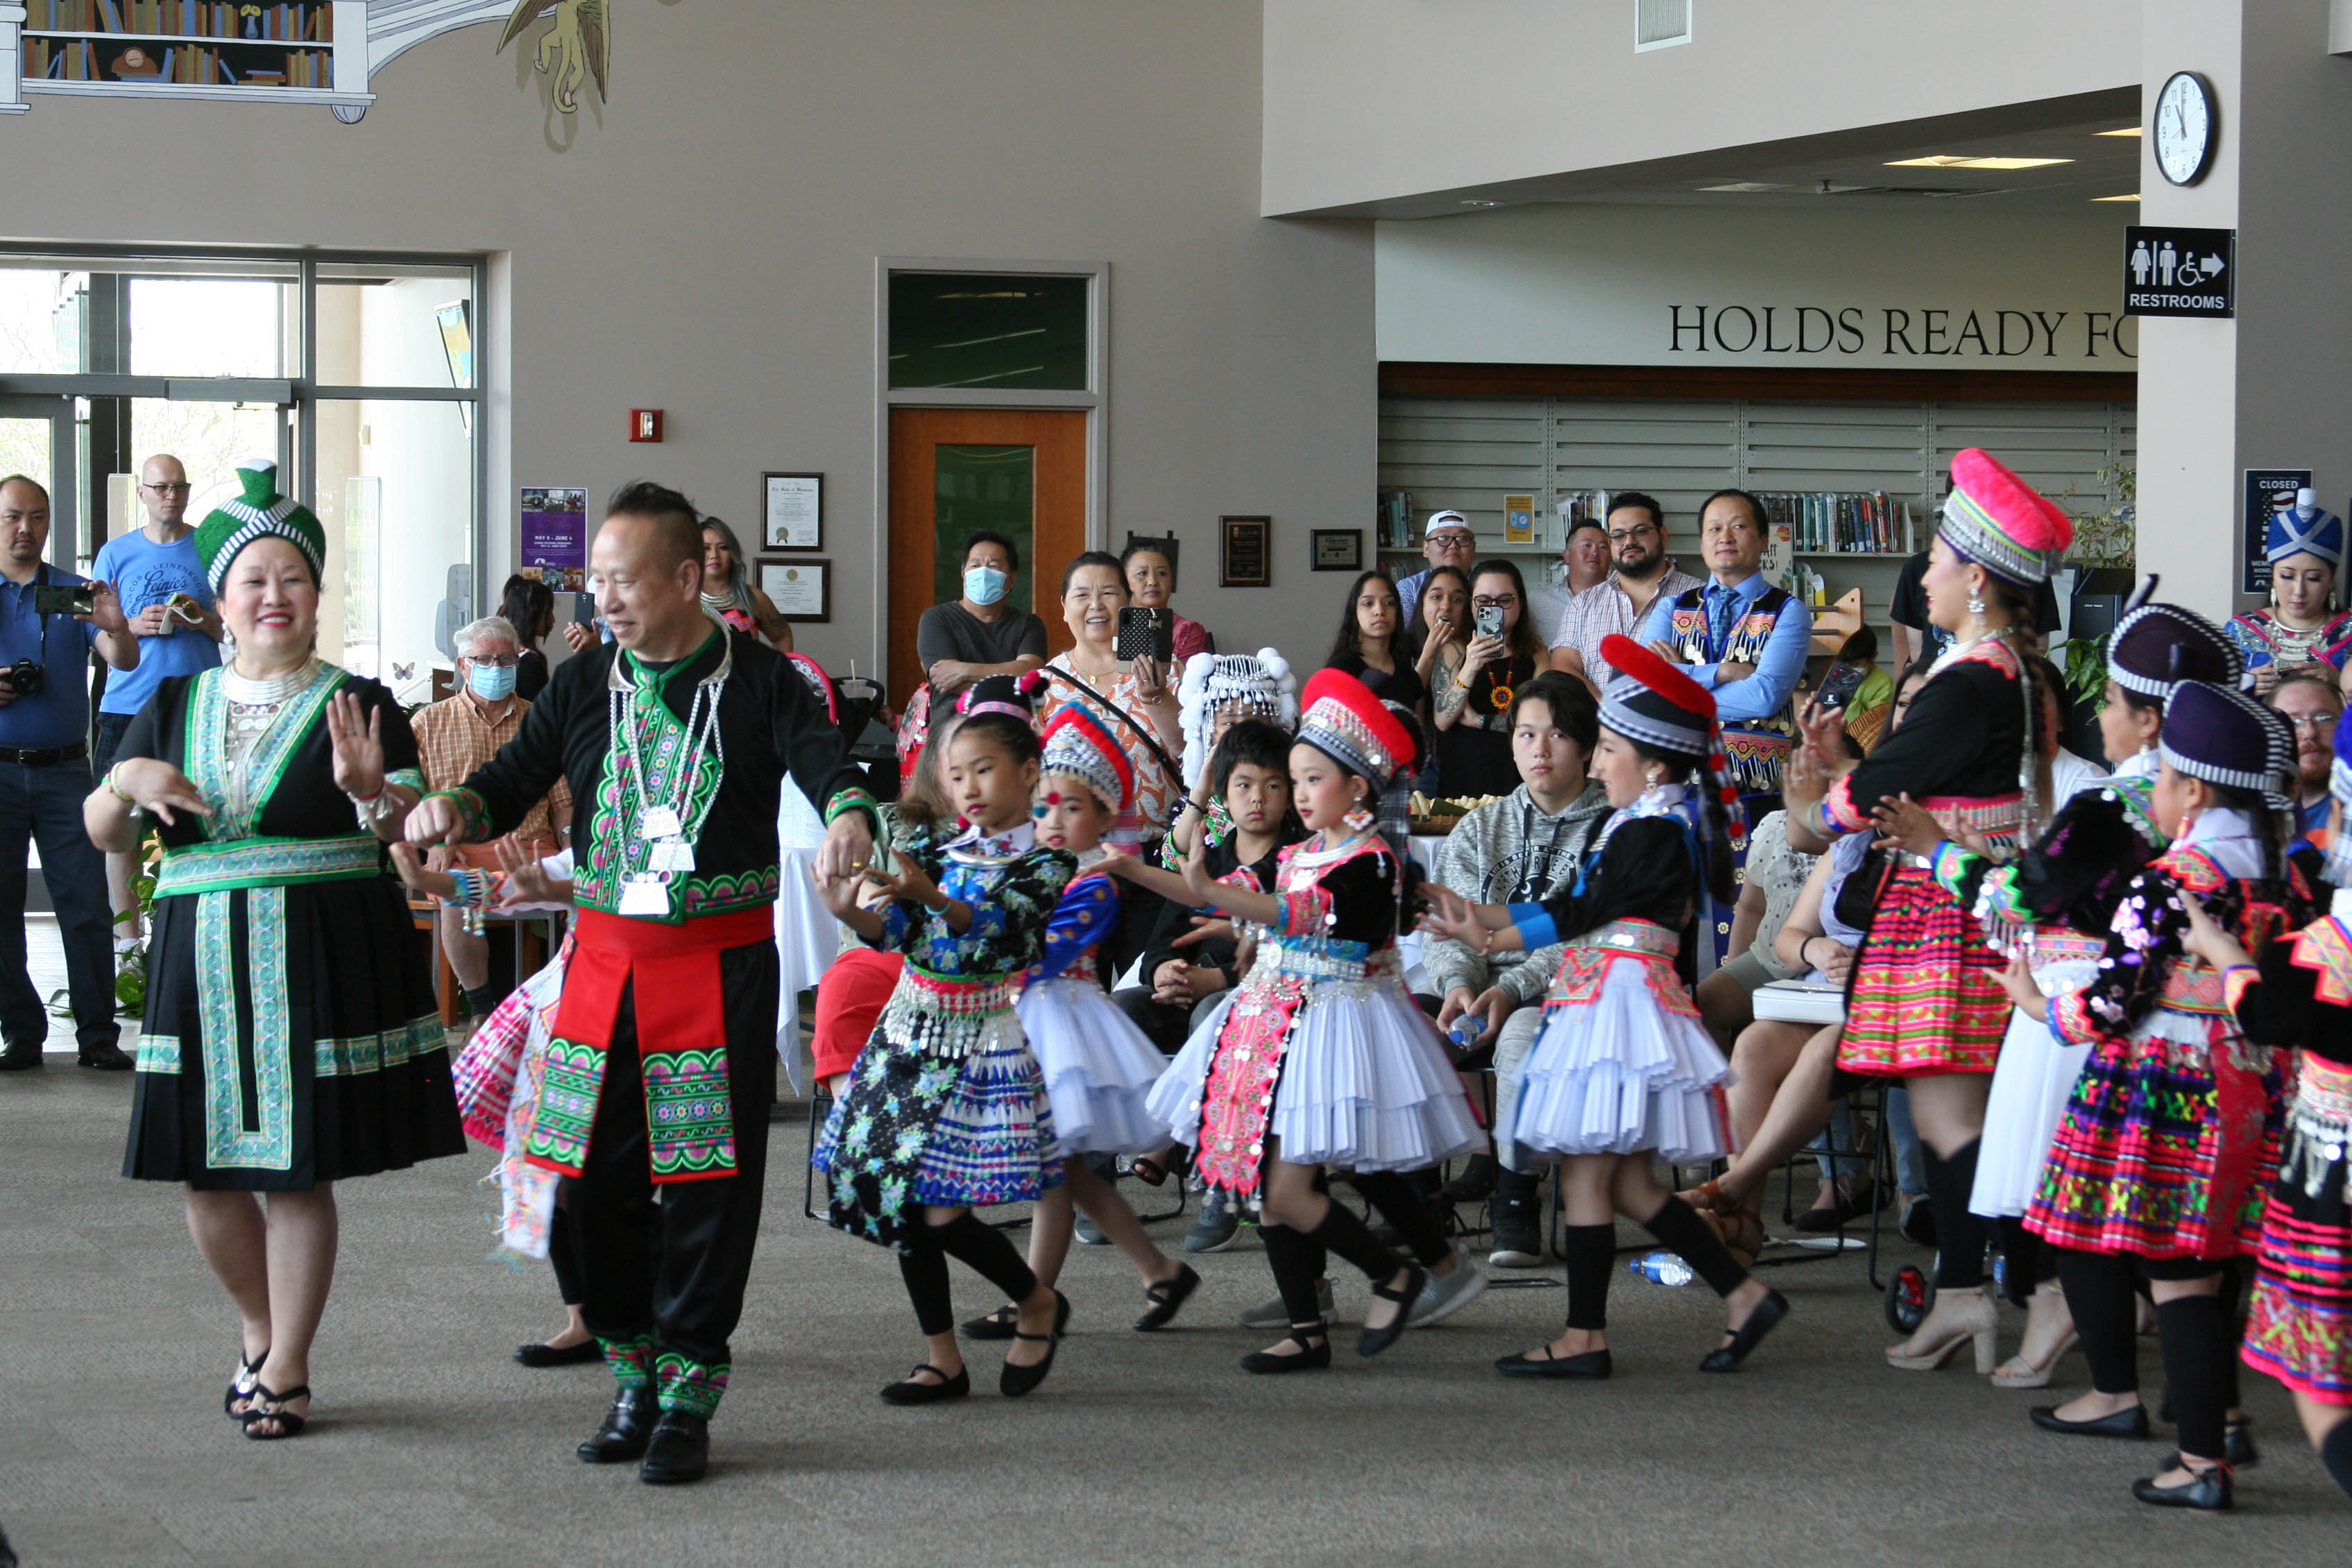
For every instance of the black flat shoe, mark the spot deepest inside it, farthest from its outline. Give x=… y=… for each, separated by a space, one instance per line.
x=1016 y=1380
x=1313 y=1354
x=106 y=1058
x=1593 y=1367
x=2130 y=1424
x=2237 y=1445
x=626 y=1429
x=586 y=1350
x=1846 y=1210
x=908 y=1391
x=1762 y=1320
x=2211 y=1492
x=1375 y=1341
x=1167 y=1299
x=679 y=1451
x=996 y=1325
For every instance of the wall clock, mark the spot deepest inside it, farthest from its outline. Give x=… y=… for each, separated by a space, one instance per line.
x=2184 y=127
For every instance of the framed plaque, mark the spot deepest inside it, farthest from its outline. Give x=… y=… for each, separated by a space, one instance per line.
x=1338 y=548
x=801 y=588
x=1246 y=553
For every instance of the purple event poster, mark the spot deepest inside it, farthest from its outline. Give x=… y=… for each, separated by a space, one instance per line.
x=555 y=534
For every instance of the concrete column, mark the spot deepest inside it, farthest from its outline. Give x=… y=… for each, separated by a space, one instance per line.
x=2265 y=390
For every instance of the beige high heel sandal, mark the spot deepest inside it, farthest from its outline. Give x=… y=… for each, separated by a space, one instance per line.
x=1972 y=1318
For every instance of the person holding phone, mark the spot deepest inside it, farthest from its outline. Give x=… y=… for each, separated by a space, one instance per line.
x=162 y=584
x=1150 y=567
x=44 y=775
x=1471 y=690
x=1438 y=618
x=1148 y=721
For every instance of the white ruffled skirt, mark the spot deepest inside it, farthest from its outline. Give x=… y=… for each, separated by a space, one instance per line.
x=2030 y=1086
x=1098 y=1067
x=1365 y=1084
x=1619 y=1074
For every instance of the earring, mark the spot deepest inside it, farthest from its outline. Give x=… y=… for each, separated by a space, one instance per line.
x=1975 y=604
x=1359 y=818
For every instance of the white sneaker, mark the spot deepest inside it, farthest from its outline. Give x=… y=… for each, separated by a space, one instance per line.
x=1446 y=1294
x=1271 y=1313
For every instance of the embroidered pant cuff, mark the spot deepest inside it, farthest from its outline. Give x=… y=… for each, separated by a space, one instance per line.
x=631 y=1360
x=691 y=1388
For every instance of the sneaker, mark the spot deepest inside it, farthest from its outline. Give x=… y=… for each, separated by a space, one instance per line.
x=1089 y=1234
x=1519 y=1242
x=1271 y=1313
x=1219 y=1226
x=1446 y=1294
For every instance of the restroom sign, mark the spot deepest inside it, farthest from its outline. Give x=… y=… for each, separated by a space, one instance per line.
x=2180 y=272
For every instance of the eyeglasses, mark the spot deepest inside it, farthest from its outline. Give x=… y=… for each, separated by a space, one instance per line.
x=1622 y=535
x=1452 y=541
x=2317 y=723
x=495 y=661
x=1504 y=602
x=182 y=488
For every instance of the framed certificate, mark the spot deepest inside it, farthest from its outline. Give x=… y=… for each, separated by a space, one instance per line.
x=1338 y=548
x=801 y=588
x=1246 y=553
x=791 y=512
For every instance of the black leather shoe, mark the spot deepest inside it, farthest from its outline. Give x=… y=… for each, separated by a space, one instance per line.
x=679 y=1452
x=1375 y=1341
x=1593 y=1367
x=627 y=1427
x=106 y=1058
x=16 y=1058
x=2237 y=1445
x=996 y=1325
x=586 y=1350
x=1314 y=1355
x=2132 y=1423
x=2211 y=1491
x=1765 y=1317
x=1015 y=1379
x=907 y=1391
x=1167 y=1299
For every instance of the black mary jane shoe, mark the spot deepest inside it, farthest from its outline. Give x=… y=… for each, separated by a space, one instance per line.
x=2211 y=1492
x=1167 y=1298
x=1593 y=1367
x=679 y=1452
x=907 y=1391
x=241 y=1386
x=1313 y=1354
x=996 y=1325
x=1762 y=1320
x=544 y=1355
x=2126 y=1424
x=2237 y=1445
x=625 y=1431
x=1375 y=1341
x=1017 y=1379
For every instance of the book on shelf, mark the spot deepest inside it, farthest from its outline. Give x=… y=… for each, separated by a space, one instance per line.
x=1831 y=522
x=288 y=21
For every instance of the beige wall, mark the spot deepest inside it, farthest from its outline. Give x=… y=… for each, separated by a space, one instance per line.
x=704 y=244
x=1373 y=99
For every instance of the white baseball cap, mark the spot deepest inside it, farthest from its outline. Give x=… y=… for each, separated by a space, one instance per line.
x=1438 y=519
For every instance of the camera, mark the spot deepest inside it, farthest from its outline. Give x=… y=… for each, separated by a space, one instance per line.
x=24 y=678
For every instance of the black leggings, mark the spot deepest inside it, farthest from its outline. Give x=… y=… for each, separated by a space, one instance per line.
x=924 y=1267
x=2201 y=1354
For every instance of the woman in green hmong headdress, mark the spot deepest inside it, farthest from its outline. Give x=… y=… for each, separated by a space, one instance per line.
x=290 y=1039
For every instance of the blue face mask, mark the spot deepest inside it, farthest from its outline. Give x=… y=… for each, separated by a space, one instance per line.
x=984 y=585
x=492 y=683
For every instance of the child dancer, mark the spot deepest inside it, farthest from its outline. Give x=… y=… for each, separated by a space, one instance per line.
x=1320 y=1058
x=946 y=1110
x=1097 y=1065
x=1623 y=1069
x=2301 y=996
x=2172 y=1129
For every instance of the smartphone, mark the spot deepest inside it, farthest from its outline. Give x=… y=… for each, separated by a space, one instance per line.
x=1488 y=618
x=1146 y=634
x=1839 y=683
x=73 y=599
x=583 y=609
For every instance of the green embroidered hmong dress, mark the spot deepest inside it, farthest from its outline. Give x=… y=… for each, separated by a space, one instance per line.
x=290 y=1037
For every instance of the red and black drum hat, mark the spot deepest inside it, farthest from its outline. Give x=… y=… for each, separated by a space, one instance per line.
x=2001 y=523
x=1345 y=723
x=1653 y=701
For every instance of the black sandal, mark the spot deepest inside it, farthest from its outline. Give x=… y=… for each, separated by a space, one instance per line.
x=269 y=1405
x=1762 y=1320
x=241 y=1386
x=1153 y=1171
x=1016 y=1380
x=1375 y=1341
x=996 y=1325
x=1167 y=1298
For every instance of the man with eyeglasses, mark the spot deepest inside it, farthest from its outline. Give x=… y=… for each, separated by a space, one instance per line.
x=164 y=593
x=459 y=735
x=1446 y=540
x=2314 y=707
x=1743 y=639
x=1641 y=575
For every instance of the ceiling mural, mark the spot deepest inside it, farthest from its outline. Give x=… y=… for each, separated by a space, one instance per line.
x=323 y=52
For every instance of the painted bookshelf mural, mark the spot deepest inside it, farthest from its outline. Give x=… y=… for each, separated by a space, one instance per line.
x=269 y=51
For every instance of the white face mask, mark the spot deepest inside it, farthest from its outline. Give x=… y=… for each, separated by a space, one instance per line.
x=491 y=682
x=984 y=585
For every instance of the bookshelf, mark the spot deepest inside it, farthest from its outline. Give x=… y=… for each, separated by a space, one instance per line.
x=280 y=51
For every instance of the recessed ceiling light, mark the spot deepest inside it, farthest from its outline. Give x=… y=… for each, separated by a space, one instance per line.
x=1745 y=185
x=1958 y=160
x=1469 y=203
x=2132 y=198
x=2126 y=131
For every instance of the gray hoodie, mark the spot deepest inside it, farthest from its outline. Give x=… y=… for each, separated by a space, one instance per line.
x=1509 y=851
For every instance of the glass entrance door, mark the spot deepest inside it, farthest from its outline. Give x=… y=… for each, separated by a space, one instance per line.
x=37 y=439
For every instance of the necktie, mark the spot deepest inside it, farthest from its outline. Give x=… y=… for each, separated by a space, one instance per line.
x=1721 y=602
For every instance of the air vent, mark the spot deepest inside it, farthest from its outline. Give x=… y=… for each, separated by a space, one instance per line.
x=1660 y=24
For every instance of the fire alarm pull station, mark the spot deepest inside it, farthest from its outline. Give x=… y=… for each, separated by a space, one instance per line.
x=645 y=424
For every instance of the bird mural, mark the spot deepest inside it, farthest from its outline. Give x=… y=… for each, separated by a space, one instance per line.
x=577 y=45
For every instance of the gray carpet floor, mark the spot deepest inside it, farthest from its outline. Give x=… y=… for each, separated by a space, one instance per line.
x=430 y=1447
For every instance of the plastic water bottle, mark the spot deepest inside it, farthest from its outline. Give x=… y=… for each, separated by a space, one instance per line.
x=1462 y=1035
x=1663 y=1268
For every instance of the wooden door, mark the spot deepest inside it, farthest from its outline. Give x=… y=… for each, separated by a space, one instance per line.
x=953 y=472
